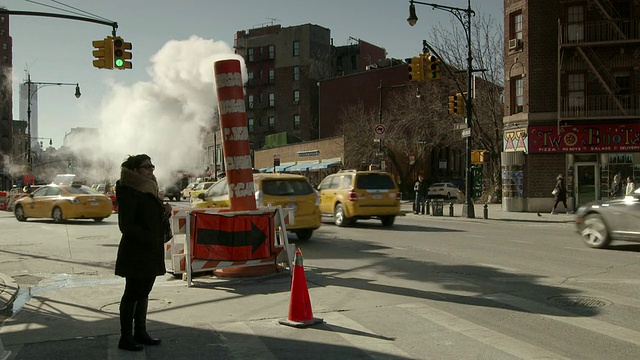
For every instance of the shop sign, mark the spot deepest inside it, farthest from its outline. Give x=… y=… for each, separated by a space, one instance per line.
x=600 y=138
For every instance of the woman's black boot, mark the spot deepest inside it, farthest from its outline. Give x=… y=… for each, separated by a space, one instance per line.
x=140 y=317
x=127 y=309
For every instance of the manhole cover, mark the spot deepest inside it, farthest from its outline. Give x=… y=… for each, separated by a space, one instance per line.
x=93 y=237
x=580 y=301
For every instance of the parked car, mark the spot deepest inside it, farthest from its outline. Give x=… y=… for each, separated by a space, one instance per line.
x=286 y=190
x=443 y=190
x=350 y=195
x=186 y=192
x=601 y=222
x=62 y=202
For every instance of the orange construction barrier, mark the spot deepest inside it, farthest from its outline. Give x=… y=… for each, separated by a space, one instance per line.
x=300 y=313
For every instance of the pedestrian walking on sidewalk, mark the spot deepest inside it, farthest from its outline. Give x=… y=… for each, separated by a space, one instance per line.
x=631 y=187
x=559 y=194
x=420 y=188
x=616 y=187
x=142 y=219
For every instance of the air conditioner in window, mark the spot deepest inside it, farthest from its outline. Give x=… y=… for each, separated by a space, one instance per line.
x=514 y=44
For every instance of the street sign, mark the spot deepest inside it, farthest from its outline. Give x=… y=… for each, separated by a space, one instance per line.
x=466 y=133
x=460 y=126
x=380 y=153
x=379 y=130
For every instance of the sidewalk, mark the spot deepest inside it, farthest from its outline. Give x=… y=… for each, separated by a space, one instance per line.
x=494 y=213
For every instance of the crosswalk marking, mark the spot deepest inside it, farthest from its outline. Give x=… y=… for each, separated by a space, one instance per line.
x=243 y=343
x=377 y=347
x=487 y=336
x=566 y=317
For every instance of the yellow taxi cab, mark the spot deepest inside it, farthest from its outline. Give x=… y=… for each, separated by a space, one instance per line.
x=186 y=192
x=350 y=195
x=286 y=190
x=62 y=202
x=199 y=188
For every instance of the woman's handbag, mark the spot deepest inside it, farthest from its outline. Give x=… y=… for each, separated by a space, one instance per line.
x=168 y=234
x=554 y=192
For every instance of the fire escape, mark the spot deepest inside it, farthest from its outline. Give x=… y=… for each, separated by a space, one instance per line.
x=597 y=52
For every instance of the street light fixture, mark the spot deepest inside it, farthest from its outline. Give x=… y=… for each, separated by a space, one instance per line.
x=464 y=16
x=380 y=88
x=30 y=93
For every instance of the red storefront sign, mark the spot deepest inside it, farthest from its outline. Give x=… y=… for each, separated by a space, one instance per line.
x=601 y=138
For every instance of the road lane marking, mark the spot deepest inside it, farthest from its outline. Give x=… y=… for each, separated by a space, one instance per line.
x=479 y=333
x=601 y=327
x=371 y=345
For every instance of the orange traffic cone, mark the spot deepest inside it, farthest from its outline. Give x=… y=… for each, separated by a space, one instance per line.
x=300 y=313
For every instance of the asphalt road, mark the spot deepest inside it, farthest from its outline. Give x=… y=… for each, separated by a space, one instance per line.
x=427 y=288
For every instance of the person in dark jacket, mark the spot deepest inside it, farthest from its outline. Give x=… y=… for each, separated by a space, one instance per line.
x=141 y=219
x=560 y=194
x=420 y=187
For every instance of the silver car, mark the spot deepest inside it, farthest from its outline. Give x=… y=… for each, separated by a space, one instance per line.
x=601 y=222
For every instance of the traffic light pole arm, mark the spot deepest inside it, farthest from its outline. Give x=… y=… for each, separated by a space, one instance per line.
x=113 y=24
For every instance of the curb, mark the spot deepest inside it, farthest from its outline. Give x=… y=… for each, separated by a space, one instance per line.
x=8 y=291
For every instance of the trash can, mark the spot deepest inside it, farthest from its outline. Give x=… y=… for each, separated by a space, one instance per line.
x=437 y=206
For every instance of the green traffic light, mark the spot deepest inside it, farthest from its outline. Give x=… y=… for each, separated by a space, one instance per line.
x=119 y=62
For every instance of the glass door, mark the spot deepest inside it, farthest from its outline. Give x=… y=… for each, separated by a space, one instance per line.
x=585 y=183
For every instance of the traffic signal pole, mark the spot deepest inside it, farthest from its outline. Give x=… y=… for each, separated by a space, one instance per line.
x=113 y=24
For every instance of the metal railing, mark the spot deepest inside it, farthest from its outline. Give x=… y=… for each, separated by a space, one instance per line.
x=599 y=106
x=601 y=31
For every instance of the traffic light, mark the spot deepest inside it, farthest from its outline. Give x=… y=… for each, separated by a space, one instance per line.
x=103 y=53
x=70 y=165
x=416 y=73
x=432 y=67
x=479 y=156
x=121 y=53
x=456 y=104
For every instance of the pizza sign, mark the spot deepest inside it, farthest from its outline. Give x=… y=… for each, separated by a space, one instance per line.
x=584 y=138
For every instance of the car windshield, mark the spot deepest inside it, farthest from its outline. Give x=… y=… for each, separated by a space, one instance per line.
x=438 y=185
x=286 y=187
x=374 y=181
x=82 y=189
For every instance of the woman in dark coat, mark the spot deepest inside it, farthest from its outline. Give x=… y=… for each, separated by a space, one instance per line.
x=141 y=218
x=560 y=194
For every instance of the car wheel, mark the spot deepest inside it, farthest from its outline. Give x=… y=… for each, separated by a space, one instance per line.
x=304 y=234
x=98 y=219
x=56 y=214
x=339 y=218
x=388 y=220
x=595 y=233
x=19 y=213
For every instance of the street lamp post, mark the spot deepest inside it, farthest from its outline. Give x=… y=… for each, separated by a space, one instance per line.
x=464 y=16
x=32 y=88
x=380 y=88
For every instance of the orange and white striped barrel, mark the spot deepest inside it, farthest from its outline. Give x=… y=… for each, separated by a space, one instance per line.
x=235 y=135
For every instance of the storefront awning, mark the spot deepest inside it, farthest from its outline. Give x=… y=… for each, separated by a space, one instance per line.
x=279 y=168
x=323 y=165
x=302 y=167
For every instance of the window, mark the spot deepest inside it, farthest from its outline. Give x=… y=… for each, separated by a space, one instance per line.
x=517 y=91
x=296 y=48
x=250 y=125
x=260 y=100
x=272 y=76
x=272 y=52
x=272 y=123
x=272 y=100
x=296 y=122
x=575 y=23
x=250 y=54
x=296 y=73
x=622 y=87
x=2 y=32
x=296 y=97
x=260 y=74
x=250 y=101
x=4 y=46
x=250 y=80
x=354 y=63
x=516 y=26
x=575 y=91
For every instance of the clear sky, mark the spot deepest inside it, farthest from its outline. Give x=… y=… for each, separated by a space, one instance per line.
x=59 y=50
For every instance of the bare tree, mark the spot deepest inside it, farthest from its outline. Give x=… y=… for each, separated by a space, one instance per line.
x=487 y=48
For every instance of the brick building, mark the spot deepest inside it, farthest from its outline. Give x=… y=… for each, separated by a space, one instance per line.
x=572 y=104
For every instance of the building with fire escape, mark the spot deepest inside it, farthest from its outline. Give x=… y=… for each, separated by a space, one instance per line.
x=572 y=104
